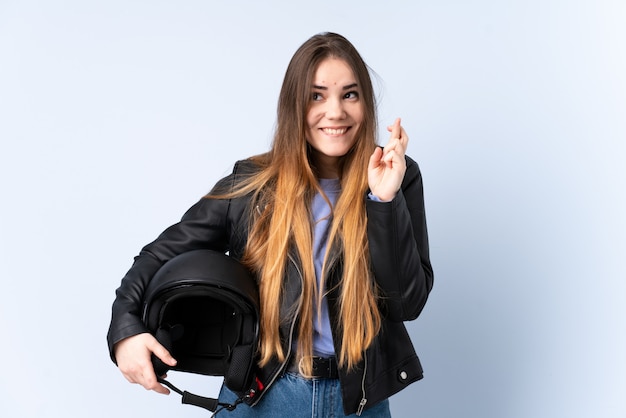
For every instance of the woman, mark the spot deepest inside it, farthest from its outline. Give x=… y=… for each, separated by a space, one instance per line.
x=334 y=229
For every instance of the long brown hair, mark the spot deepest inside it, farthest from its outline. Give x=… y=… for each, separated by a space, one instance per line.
x=280 y=227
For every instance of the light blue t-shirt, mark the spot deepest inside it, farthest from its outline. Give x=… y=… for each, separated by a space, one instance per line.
x=322 y=335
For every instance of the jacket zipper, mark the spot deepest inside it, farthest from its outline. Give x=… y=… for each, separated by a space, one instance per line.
x=363 y=398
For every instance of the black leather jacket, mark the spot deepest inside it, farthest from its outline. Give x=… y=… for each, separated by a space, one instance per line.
x=398 y=244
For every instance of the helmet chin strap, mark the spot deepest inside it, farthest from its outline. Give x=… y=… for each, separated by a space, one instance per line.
x=210 y=404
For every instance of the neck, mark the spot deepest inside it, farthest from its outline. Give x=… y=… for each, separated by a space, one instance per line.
x=326 y=167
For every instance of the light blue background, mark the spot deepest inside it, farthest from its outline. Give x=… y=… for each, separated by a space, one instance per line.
x=115 y=116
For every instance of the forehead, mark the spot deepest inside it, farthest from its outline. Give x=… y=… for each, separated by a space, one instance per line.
x=333 y=71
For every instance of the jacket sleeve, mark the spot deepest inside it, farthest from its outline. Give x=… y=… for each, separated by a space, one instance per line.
x=203 y=226
x=398 y=243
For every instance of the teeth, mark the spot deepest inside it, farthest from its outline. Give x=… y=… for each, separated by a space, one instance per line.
x=334 y=131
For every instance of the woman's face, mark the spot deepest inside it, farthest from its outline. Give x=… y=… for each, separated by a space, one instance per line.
x=334 y=116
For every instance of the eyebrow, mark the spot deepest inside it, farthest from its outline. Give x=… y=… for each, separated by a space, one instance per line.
x=348 y=87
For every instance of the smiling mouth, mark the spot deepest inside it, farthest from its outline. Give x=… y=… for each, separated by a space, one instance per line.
x=332 y=131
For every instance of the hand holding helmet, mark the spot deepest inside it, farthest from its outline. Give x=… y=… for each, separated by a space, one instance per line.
x=133 y=356
x=201 y=306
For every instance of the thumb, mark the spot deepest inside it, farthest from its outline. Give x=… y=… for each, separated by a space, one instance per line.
x=162 y=353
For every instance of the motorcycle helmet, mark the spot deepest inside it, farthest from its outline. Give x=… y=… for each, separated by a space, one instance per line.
x=203 y=306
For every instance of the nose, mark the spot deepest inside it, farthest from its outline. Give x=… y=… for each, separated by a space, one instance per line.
x=335 y=109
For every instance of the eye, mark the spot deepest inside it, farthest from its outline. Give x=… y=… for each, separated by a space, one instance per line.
x=351 y=95
x=315 y=96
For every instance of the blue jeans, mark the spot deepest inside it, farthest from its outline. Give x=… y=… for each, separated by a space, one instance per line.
x=293 y=396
